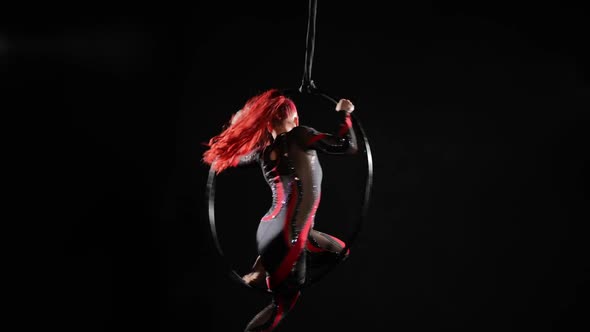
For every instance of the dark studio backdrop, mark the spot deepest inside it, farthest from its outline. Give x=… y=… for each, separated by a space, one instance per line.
x=475 y=118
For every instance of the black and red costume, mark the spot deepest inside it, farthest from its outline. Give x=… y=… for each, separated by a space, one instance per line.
x=286 y=240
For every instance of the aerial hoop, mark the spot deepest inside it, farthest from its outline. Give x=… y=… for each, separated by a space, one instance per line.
x=308 y=86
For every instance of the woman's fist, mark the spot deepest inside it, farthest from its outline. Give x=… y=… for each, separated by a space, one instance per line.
x=345 y=105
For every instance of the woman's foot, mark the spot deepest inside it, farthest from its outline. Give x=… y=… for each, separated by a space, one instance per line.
x=255 y=278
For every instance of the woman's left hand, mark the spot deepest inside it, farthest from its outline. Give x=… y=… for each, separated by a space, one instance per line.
x=345 y=105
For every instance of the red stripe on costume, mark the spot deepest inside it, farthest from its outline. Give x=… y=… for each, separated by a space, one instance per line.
x=310 y=245
x=313 y=248
x=278 y=317
x=293 y=300
x=295 y=251
x=346 y=126
x=338 y=240
x=279 y=203
x=283 y=306
x=315 y=138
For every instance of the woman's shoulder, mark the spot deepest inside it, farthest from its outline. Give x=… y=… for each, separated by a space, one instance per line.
x=301 y=130
x=301 y=135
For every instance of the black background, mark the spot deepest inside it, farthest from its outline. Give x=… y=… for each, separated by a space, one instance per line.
x=475 y=118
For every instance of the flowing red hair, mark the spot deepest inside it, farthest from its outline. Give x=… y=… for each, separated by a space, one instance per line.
x=249 y=132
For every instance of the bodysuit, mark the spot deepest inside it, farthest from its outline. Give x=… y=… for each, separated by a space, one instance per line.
x=285 y=237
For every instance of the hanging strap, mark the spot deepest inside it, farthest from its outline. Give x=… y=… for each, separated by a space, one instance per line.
x=307 y=84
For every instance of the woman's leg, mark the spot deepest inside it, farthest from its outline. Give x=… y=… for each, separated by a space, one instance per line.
x=272 y=315
x=324 y=249
x=285 y=296
x=284 y=267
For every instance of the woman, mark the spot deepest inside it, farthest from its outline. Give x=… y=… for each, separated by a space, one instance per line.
x=267 y=131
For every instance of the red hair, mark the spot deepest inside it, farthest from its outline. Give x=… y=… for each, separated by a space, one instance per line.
x=249 y=131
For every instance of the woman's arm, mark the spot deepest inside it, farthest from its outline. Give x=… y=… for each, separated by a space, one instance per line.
x=342 y=142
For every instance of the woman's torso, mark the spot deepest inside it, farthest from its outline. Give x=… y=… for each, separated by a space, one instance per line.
x=294 y=175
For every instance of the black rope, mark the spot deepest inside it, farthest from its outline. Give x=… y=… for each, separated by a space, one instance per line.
x=306 y=82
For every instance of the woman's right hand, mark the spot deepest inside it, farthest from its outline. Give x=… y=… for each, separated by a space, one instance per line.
x=344 y=105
